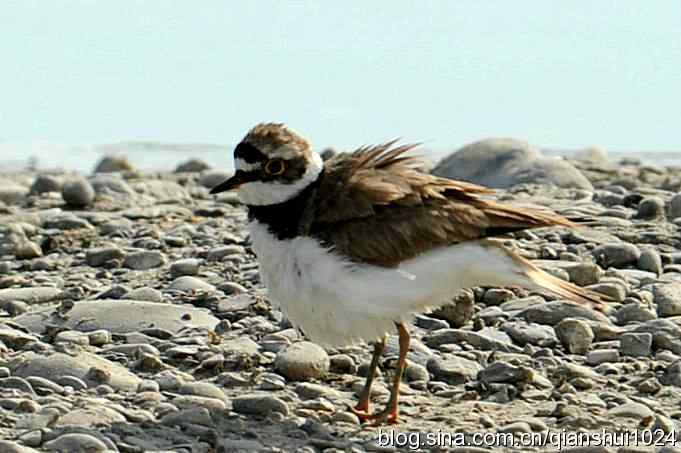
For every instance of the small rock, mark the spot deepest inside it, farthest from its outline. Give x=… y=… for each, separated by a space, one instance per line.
x=459 y=312
x=552 y=313
x=187 y=266
x=99 y=256
x=453 y=370
x=144 y=260
x=76 y=443
x=616 y=255
x=636 y=344
x=635 y=312
x=650 y=208
x=192 y=166
x=27 y=250
x=187 y=284
x=78 y=192
x=631 y=410
x=45 y=183
x=145 y=294
x=668 y=299
x=575 y=335
x=502 y=372
x=259 y=404
x=113 y=163
x=650 y=261
x=599 y=356
x=497 y=296
x=302 y=361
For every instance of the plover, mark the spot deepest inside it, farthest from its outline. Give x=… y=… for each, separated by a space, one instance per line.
x=351 y=247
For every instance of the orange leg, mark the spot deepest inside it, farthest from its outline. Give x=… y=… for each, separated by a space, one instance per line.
x=389 y=414
x=362 y=408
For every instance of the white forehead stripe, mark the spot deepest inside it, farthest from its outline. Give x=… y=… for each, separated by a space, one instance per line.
x=241 y=164
x=259 y=193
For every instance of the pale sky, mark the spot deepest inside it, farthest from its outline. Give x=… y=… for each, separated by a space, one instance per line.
x=562 y=74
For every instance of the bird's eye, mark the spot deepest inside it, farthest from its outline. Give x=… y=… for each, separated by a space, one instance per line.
x=275 y=167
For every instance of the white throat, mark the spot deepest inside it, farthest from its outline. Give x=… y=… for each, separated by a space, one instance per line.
x=260 y=193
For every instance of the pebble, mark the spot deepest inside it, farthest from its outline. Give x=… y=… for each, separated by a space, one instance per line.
x=46 y=183
x=650 y=208
x=259 y=404
x=650 y=261
x=113 y=163
x=144 y=260
x=575 y=335
x=616 y=255
x=302 y=361
x=192 y=166
x=78 y=192
x=552 y=313
x=453 y=370
x=27 y=250
x=668 y=299
x=76 y=443
x=636 y=344
x=188 y=283
x=145 y=294
x=188 y=266
x=99 y=256
x=633 y=313
x=600 y=356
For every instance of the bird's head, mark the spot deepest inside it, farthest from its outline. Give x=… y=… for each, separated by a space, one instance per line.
x=273 y=164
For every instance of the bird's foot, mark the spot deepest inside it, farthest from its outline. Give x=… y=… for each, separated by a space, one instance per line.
x=386 y=416
x=361 y=410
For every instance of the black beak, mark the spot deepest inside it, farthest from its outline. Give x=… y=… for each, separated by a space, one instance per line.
x=239 y=178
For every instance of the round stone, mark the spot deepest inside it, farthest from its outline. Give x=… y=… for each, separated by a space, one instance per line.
x=650 y=208
x=302 y=361
x=575 y=335
x=78 y=192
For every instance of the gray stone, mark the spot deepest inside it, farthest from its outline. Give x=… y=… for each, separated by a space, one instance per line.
x=502 y=372
x=667 y=297
x=675 y=207
x=46 y=183
x=497 y=296
x=161 y=189
x=636 y=344
x=551 y=313
x=192 y=166
x=599 y=356
x=650 y=261
x=505 y=162
x=145 y=294
x=35 y=295
x=302 y=361
x=91 y=416
x=144 y=260
x=475 y=339
x=66 y=221
x=212 y=178
x=79 y=365
x=453 y=370
x=112 y=185
x=205 y=389
x=616 y=255
x=650 y=208
x=259 y=404
x=7 y=446
x=113 y=163
x=27 y=250
x=535 y=334
x=633 y=313
x=581 y=274
x=96 y=257
x=575 y=335
x=187 y=266
x=194 y=416
x=631 y=410
x=614 y=291
x=188 y=283
x=78 y=192
x=121 y=316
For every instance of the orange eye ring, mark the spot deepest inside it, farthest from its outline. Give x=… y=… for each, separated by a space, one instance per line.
x=275 y=167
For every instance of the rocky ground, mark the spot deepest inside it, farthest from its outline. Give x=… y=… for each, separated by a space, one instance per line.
x=132 y=319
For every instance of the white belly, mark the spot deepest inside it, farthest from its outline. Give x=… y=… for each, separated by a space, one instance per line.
x=337 y=303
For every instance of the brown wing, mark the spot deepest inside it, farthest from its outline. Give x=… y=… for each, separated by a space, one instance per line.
x=375 y=206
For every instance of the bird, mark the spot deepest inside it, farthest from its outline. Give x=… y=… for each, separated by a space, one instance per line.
x=352 y=247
